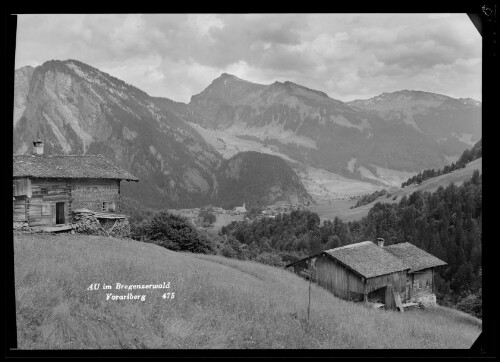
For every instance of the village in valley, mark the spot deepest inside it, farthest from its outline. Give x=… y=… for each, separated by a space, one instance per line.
x=224 y=217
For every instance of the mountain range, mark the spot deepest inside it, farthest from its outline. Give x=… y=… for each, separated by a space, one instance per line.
x=403 y=131
x=75 y=108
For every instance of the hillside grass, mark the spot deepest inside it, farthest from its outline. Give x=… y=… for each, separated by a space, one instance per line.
x=219 y=303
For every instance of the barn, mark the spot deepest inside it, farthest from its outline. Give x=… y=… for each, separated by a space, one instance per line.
x=420 y=286
x=46 y=189
x=371 y=273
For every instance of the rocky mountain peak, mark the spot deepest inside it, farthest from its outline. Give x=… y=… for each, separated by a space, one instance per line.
x=226 y=89
x=227 y=76
x=78 y=109
x=21 y=89
x=27 y=69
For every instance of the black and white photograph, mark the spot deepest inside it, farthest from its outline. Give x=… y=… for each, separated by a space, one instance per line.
x=238 y=181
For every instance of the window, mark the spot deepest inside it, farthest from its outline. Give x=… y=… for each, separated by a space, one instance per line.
x=105 y=206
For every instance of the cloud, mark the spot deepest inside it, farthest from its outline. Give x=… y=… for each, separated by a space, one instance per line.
x=344 y=55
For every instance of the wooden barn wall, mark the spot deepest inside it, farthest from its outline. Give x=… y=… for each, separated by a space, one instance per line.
x=46 y=192
x=346 y=284
x=398 y=280
x=90 y=194
x=391 y=282
x=21 y=191
x=40 y=208
x=22 y=186
x=420 y=283
x=19 y=209
x=336 y=278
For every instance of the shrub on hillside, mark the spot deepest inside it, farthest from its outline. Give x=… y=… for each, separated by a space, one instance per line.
x=472 y=303
x=270 y=259
x=173 y=232
x=289 y=258
x=227 y=251
x=135 y=210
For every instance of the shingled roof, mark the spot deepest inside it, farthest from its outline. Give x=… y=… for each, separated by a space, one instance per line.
x=69 y=166
x=413 y=256
x=368 y=259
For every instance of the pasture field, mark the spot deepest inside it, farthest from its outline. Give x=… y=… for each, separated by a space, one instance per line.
x=218 y=303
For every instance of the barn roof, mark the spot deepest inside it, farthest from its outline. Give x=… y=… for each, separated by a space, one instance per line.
x=415 y=257
x=69 y=166
x=368 y=259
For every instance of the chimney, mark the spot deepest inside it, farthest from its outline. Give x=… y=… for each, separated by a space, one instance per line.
x=38 y=147
x=380 y=242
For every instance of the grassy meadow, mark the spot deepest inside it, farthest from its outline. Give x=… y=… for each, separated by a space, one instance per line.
x=218 y=303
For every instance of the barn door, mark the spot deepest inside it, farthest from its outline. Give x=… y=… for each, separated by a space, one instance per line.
x=389 y=297
x=60 y=213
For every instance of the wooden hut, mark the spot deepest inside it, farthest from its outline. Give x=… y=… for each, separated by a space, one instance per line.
x=47 y=188
x=420 y=286
x=359 y=272
x=373 y=273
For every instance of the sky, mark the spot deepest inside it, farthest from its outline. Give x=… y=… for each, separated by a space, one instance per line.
x=347 y=56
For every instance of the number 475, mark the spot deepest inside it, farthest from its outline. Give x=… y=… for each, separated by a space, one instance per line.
x=168 y=295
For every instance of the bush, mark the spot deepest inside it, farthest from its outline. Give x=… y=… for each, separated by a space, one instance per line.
x=227 y=251
x=289 y=258
x=173 y=232
x=472 y=304
x=270 y=259
x=135 y=210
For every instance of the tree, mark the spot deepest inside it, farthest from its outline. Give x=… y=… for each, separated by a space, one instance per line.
x=314 y=246
x=264 y=244
x=475 y=177
x=333 y=242
x=472 y=303
x=172 y=232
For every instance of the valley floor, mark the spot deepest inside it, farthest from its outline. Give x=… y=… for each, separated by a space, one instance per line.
x=321 y=184
x=217 y=303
